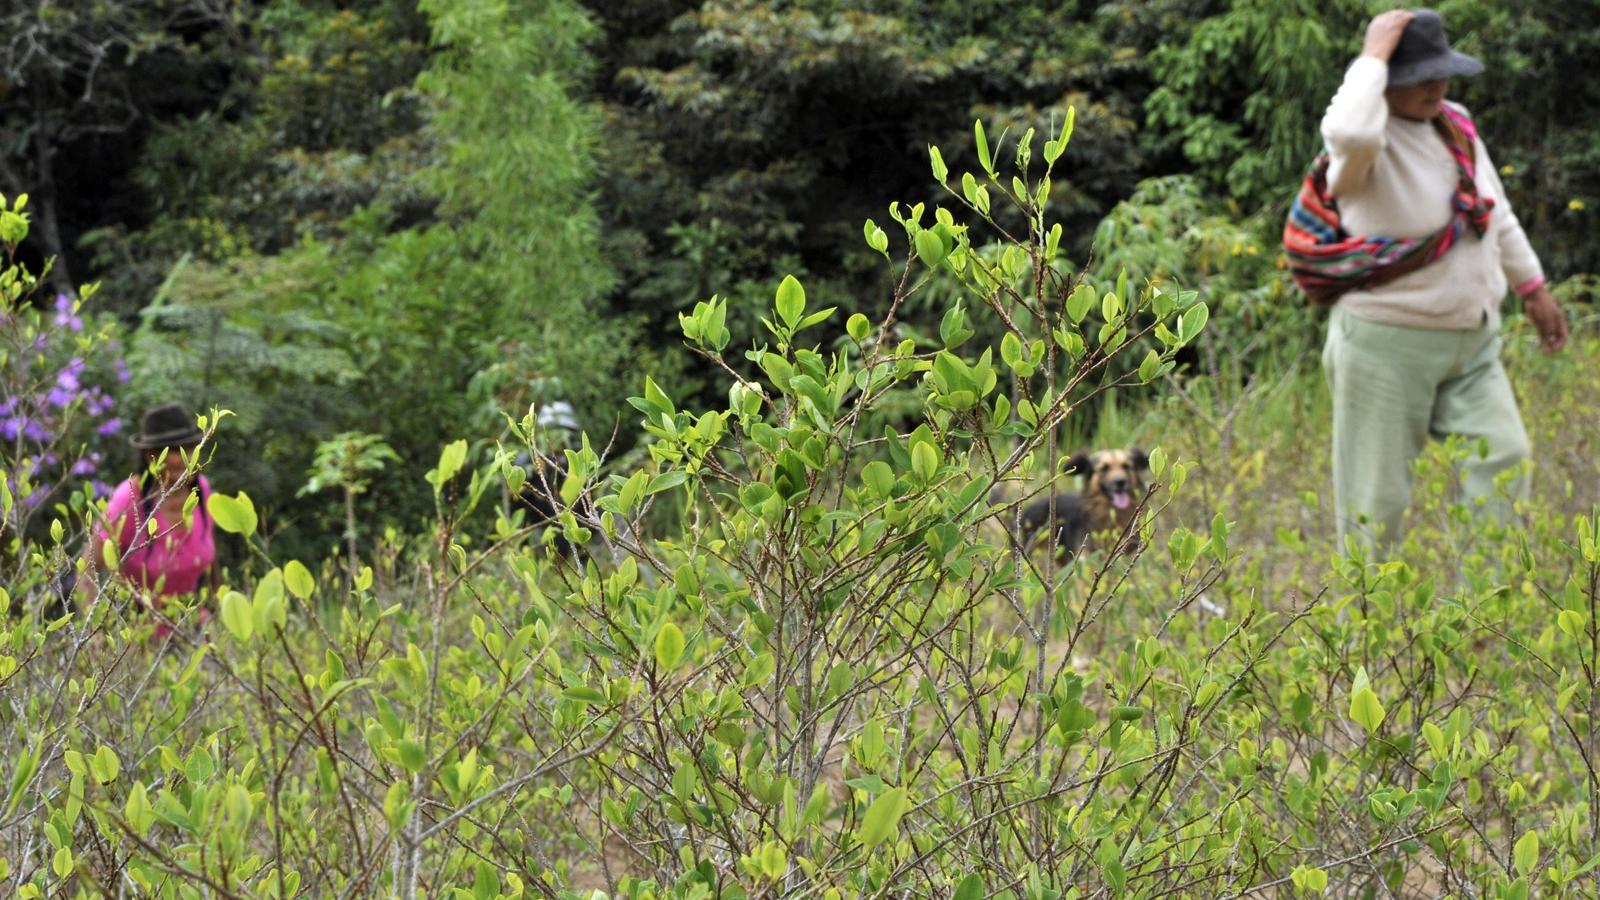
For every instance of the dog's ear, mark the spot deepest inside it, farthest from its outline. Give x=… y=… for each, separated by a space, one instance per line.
x=1141 y=459
x=1079 y=464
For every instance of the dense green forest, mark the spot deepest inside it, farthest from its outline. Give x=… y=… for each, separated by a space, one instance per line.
x=826 y=284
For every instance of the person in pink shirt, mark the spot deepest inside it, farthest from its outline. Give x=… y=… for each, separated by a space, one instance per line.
x=176 y=557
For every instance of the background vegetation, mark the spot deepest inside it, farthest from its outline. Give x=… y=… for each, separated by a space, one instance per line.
x=803 y=657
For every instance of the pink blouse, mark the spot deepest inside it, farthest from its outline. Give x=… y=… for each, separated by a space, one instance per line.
x=175 y=559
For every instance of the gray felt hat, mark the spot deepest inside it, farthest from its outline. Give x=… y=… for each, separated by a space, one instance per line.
x=1424 y=53
x=167 y=425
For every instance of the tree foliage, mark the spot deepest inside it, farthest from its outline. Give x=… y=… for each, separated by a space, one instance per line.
x=746 y=132
x=345 y=259
x=77 y=76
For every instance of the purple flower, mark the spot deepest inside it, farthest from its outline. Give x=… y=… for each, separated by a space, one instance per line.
x=21 y=425
x=73 y=323
x=101 y=489
x=110 y=427
x=122 y=372
x=60 y=397
x=63 y=303
x=68 y=378
x=33 y=431
x=83 y=466
x=100 y=403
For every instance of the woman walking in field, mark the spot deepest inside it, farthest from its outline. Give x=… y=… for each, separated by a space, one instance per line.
x=1413 y=347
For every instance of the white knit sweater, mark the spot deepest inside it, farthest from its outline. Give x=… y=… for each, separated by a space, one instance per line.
x=1393 y=177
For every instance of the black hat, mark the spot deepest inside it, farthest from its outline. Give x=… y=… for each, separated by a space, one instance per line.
x=167 y=425
x=1424 y=54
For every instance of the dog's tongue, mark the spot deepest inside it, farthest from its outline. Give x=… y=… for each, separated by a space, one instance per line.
x=1121 y=499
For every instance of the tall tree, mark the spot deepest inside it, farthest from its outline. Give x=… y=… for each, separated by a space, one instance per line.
x=519 y=146
x=76 y=71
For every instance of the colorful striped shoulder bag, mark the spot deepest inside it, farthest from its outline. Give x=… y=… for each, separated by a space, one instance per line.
x=1326 y=261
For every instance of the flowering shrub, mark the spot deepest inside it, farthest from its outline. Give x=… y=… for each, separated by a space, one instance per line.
x=73 y=401
x=59 y=419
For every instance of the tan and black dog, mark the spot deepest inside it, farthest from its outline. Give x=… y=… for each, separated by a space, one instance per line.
x=1108 y=502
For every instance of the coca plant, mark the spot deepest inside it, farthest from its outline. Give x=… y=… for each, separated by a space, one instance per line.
x=831 y=673
x=839 y=677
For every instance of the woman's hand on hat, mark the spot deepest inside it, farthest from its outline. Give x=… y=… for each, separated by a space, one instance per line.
x=1545 y=314
x=1384 y=31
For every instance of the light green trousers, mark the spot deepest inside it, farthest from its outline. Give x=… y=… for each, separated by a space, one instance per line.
x=1395 y=387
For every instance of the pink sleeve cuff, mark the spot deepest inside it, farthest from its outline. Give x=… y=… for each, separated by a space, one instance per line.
x=1529 y=286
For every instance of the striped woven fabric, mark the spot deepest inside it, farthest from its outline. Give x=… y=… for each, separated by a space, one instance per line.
x=1326 y=261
